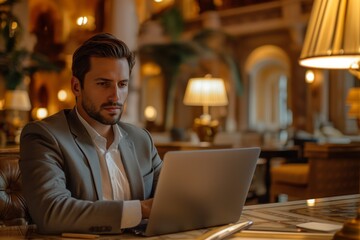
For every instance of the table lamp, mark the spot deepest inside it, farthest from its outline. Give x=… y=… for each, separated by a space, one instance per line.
x=353 y=101
x=15 y=102
x=205 y=92
x=332 y=41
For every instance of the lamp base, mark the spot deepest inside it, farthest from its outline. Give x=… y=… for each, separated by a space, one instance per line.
x=206 y=130
x=15 y=120
x=350 y=230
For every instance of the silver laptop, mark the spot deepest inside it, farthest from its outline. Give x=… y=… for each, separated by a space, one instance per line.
x=200 y=189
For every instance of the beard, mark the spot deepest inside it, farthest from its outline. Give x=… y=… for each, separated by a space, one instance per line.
x=94 y=113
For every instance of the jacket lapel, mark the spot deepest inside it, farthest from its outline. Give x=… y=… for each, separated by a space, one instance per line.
x=131 y=166
x=86 y=146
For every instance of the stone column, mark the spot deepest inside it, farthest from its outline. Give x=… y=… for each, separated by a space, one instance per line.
x=211 y=20
x=122 y=21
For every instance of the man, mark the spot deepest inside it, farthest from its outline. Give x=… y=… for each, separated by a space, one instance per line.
x=82 y=169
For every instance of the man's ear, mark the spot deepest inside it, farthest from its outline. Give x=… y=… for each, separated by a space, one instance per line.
x=75 y=86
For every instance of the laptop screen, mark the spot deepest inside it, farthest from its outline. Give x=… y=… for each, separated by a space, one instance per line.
x=201 y=188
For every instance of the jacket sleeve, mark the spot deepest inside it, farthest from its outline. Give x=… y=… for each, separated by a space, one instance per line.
x=45 y=175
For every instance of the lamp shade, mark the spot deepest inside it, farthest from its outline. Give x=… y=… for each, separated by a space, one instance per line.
x=332 y=39
x=353 y=100
x=17 y=100
x=353 y=96
x=354 y=111
x=205 y=91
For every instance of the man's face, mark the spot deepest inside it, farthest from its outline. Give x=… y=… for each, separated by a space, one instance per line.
x=105 y=90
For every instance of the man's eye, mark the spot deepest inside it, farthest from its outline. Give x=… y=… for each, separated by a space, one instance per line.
x=103 y=84
x=123 y=84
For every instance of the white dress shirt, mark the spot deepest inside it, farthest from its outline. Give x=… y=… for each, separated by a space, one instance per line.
x=114 y=182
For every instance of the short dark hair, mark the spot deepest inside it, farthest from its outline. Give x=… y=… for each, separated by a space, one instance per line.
x=100 y=45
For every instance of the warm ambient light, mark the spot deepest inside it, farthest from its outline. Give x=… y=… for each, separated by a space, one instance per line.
x=309 y=76
x=86 y=22
x=150 y=69
x=41 y=113
x=310 y=202
x=14 y=25
x=150 y=113
x=82 y=21
x=62 y=95
x=333 y=36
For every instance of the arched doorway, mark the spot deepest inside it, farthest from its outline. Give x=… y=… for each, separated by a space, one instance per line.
x=268 y=69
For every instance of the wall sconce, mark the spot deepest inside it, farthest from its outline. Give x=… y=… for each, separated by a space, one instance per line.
x=86 y=22
x=205 y=92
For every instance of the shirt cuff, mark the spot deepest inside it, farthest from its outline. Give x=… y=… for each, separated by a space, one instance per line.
x=131 y=215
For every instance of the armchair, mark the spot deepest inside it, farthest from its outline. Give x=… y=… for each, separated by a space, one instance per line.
x=13 y=210
x=332 y=169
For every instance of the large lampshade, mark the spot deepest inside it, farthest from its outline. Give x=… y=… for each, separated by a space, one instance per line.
x=332 y=39
x=353 y=96
x=17 y=100
x=205 y=92
x=353 y=101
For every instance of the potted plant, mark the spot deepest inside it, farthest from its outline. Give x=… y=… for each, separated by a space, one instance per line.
x=15 y=65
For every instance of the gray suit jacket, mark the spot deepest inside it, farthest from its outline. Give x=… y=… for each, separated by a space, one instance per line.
x=61 y=174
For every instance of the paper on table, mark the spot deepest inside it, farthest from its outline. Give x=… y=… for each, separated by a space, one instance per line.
x=317 y=226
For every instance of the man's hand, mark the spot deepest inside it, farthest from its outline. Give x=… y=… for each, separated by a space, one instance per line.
x=146 y=207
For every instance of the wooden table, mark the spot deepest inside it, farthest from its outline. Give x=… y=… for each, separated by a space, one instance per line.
x=271 y=221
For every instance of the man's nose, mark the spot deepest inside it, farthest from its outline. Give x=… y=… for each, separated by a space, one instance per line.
x=115 y=94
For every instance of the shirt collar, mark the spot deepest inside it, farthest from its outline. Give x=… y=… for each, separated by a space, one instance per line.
x=97 y=138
